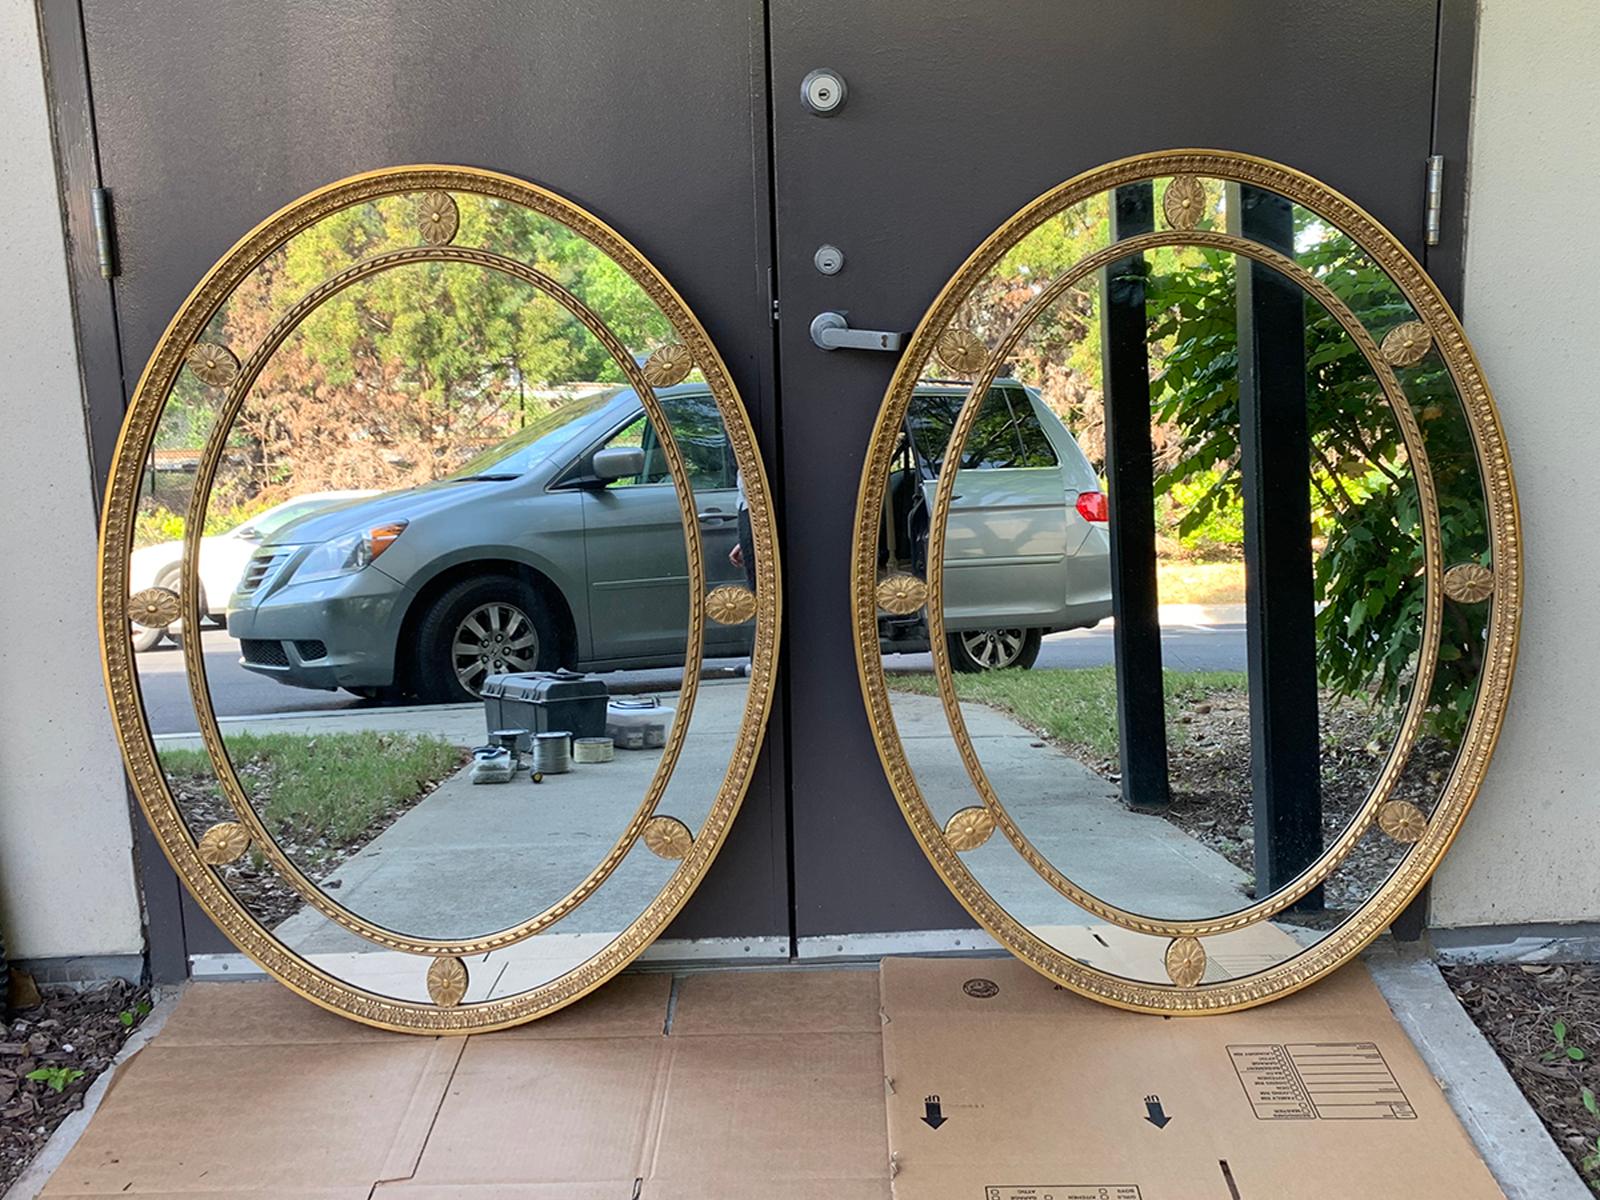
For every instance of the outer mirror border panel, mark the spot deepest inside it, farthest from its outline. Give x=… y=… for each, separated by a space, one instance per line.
x=1472 y=757
x=187 y=852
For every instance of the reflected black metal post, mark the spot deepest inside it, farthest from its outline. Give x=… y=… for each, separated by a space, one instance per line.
x=1275 y=461
x=1130 y=470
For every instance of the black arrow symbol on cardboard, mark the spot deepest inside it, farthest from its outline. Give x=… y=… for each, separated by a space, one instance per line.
x=934 y=1115
x=1154 y=1112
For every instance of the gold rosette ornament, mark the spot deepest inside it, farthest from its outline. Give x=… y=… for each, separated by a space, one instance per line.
x=438 y=218
x=1407 y=345
x=668 y=837
x=969 y=828
x=961 y=351
x=154 y=608
x=1469 y=583
x=1402 y=821
x=668 y=365
x=902 y=595
x=730 y=604
x=224 y=843
x=447 y=981
x=1184 y=202
x=212 y=364
x=1186 y=961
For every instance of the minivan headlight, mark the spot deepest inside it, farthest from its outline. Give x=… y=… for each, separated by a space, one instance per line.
x=347 y=554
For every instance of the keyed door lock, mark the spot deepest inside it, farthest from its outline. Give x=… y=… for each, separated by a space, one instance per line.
x=828 y=259
x=823 y=92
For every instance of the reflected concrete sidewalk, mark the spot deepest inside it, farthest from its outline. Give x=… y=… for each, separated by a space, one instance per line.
x=1073 y=816
x=471 y=859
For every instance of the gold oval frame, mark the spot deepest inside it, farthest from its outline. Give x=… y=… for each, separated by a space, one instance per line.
x=1471 y=760
x=180 y=844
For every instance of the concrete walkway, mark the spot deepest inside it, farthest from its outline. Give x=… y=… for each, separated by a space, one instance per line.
x=472 y=859
x=1073 y=816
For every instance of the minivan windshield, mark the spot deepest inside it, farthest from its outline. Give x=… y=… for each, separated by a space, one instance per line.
x=531 y=444
x=276 y=518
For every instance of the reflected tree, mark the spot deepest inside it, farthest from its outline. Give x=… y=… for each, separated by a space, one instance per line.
x=1366 y=517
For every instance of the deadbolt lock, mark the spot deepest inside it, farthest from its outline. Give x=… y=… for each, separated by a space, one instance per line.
x=823 y=91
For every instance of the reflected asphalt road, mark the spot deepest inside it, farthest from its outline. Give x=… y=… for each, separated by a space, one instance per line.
x=236 y=692
x=1183 y=648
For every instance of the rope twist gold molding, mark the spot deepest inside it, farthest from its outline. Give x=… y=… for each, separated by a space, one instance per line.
x=1489 y=707
x=126 y=702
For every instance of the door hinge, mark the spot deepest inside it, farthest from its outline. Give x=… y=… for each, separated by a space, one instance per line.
x=105 y=242
x=1435 y=200
x=772 y=293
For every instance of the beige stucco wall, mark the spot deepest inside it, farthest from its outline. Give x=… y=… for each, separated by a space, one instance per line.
x=1530 y=851
x=66 y=866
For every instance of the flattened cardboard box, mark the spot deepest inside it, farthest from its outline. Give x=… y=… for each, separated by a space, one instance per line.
x=735 y=1081
x=652 y=1089
x=1004 y=1086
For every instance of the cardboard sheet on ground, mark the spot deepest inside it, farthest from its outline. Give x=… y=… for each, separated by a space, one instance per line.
x=1006 y=1087
x=652 y=1089
x=772 y=1083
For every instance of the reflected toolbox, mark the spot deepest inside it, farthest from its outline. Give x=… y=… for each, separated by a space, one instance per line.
x=541 y=701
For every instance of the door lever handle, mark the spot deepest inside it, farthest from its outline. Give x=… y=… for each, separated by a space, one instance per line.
x=831 y=331
x=716 y=514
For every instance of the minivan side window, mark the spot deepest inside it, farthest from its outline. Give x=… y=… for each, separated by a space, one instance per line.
x=702 y=439
x=1036 y=448
x=1006 y=434
x=637 y=434
x=697 y=428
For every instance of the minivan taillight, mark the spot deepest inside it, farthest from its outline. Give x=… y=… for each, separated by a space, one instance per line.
x=1092 y=506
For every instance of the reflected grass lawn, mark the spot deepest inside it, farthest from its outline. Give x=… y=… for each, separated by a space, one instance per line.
x=329 y=785
x=1077 y=707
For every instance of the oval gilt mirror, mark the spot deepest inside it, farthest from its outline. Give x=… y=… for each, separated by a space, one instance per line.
x=1187 y=581
x=439 y=598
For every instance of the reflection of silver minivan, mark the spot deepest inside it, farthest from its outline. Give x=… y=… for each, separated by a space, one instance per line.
x=1026 y=547
x=563 y=545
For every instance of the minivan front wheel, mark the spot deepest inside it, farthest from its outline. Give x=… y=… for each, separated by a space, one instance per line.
x=975 y=650
x=480 y=627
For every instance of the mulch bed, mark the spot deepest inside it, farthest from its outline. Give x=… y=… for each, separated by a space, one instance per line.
x=72 y=1034
x=252 y=879
x=1519 y=1008
x=1209 y=772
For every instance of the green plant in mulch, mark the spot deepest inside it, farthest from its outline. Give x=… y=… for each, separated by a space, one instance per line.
x=1564 y=1050
x=56 y=1078
x=1076 y=707
x=138 y=1012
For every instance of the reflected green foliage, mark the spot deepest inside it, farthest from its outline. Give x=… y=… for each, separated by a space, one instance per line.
x=450 y=333
x=398 y=379
x=1367 y=530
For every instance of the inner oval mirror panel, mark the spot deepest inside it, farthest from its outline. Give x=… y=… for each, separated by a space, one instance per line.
x=1186 y=581
x=444 y=509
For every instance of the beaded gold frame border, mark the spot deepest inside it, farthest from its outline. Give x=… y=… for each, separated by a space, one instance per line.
x=127 y=709
x=1500 y=652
